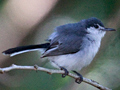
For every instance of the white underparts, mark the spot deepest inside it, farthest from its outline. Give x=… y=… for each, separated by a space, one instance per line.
x=76 y=61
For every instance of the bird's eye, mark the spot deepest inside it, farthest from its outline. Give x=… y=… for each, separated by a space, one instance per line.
x=96 y=26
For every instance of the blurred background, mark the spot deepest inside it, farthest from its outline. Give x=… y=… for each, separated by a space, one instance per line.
x=26 y=22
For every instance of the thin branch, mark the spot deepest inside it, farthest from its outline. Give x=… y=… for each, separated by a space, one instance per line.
x=52 y=71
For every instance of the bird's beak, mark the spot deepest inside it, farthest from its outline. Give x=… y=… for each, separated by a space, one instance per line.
x=108 y=29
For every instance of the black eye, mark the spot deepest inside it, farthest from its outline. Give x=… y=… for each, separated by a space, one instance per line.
x=96 y=26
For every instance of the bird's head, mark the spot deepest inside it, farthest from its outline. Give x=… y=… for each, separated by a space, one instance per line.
x=95 y=27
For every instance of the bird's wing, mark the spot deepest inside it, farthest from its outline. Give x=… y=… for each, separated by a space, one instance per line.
x=66 y=40
x=64 y=45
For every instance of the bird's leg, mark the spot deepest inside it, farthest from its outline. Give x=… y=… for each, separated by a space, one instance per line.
x=66 y=72
x=80 y=79
x=62 y=68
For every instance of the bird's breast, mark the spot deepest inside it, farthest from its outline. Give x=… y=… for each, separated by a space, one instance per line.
x=77 y=60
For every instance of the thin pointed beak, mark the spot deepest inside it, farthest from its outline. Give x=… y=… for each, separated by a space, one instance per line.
x=108 y=29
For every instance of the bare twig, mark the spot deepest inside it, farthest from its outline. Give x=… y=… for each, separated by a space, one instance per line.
x=51 y=71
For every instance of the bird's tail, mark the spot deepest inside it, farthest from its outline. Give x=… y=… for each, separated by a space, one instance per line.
x=23 y=49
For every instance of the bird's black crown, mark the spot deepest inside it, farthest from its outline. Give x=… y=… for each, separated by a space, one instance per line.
x=92 y=22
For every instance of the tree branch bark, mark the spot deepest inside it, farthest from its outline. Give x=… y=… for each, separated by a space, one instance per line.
x=52 y=71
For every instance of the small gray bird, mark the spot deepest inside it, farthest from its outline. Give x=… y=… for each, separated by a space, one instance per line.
x=72 y=46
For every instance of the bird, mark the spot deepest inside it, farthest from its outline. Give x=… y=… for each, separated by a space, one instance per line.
x=71 y=46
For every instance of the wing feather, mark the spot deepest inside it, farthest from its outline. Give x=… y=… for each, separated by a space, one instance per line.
x=64 y=45
x=67 y=39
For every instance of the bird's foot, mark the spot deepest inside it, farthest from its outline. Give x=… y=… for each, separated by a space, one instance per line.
x=66 y=72
x=80 y=79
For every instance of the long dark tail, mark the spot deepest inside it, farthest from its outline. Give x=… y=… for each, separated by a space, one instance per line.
x=23 y=49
